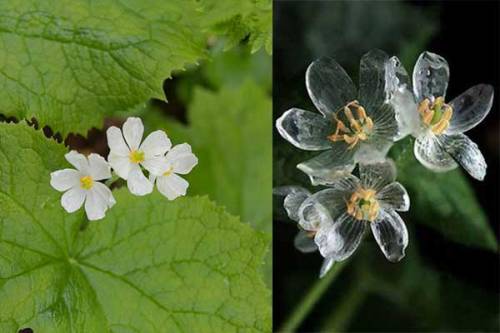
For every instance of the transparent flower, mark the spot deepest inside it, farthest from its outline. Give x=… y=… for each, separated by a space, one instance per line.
x=438 y=125
x=82 y=185
x=354 y=126
x=294 y=196
x=127 y=154
x=179 y=160
x=350 y=205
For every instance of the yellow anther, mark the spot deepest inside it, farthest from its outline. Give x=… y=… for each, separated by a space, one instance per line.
x=435 y=115
x=86 y=182
x=136 y=156
x=358 y=129
x=363 y=205
x=169 y=171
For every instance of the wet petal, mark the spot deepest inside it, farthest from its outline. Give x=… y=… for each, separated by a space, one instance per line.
x=65 y=179
x=79 y=161
x=340 y=239
x=373 y=151
x=466 y=153
x=329 y=86
x=377 y=175
x=394 y=196
x=156 y=165
x=305 y=130
x=430 y=76
x=172 y=186
x=312 y=215
x=120 y=164
x=73 y=199
x=385 y=124
x=116 y=142
x=182 y=159
x=304 y=243
x=99 y=167
x=470 y=108
x=429 y=151
x=137 y=183
x=133 y=130
x=372 y=74
x=326 y=266
x=156 y=143
x=294 y=197
x=95 y=205
x=329 y=165
x=391 y=235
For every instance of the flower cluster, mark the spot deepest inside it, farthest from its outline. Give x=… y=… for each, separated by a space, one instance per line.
x=355 y=129
x=129 y=157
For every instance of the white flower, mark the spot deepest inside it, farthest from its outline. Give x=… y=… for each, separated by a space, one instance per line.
x=179 y=160
x=127 y=156
x=437 y=125
x=82 y=185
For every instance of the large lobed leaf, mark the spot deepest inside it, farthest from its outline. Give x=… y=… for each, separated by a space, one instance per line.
x=149 y=266
x=71 y=63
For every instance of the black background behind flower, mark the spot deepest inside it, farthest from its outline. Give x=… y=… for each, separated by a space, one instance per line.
x=441 y=284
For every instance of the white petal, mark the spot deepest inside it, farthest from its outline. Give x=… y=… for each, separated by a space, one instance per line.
x=394 y=196
x=326 y=266
x=377 y=175
x=340 y=239
x=429 y=151
x=99 y=167
x=137 y=183
x=133 y=130
x=470 y=108
x=466 y=153
x=304 y=243
x=104 y=193
x=305 y=130
x=372 y=90
x=120 y=164
x=156 y=143
x=95 y=205
x=329 y=86
x=172 y=186
x=182 y=159
x=156 y=165
x=65 y=179
x=391 y=234
x=73 y=199
x=430 y=76
x=79 y=161
x=116 y=143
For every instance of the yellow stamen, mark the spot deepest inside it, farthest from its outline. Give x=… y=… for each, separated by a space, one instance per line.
x=169 y=171
x=363 y=205
x=86 y=182
x=136 y=156
x=435 y=115
x=358 y=129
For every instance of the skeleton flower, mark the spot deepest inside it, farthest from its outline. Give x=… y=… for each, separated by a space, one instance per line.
x=438 y=126
x=179 y=160
x=350 y=205
x=294 y=196
x=352 y=127
x=82 y=185
x=127 y=154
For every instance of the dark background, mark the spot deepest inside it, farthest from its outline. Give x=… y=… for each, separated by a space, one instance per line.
x=467 y=35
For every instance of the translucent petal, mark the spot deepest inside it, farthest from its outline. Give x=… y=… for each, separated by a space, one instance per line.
x=329 y=165
x=292 y=202
x=373 y=151
x=305 y=130
x=430 y=76
x=65 y=179
x=466 y=153
x=312 y=215
x=120 y=164
x=304 y=243
x=116 y=142
x=429 y=151
x=394 y=196
x=329 y=86
x=133 y=129
x=391 y=235
x=73 y=199
x=99 y=167
x=340 y=239
x=377 y=175
x=172 y=186
x=372 y=88
x=156 y=143
x=137 y=183
x=79 y=161
x=470 y=108
x=326 y=266
x=385 y=125
x=182 y=159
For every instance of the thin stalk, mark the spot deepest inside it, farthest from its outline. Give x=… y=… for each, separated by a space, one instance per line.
x=314 y=294
x=345 y=310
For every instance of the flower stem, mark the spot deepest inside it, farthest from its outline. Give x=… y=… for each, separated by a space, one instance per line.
x=345 y=310
x=306 y=305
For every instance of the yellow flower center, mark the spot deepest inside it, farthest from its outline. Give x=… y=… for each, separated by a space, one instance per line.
x=363 y=205
x=136 y=156
x=358 y=128
x=169 y=171
x=86 y=182
x=435 y=115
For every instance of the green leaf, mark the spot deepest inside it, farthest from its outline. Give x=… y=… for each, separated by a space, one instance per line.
x=69 y=64
x=150 y=266
x=443 y=201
